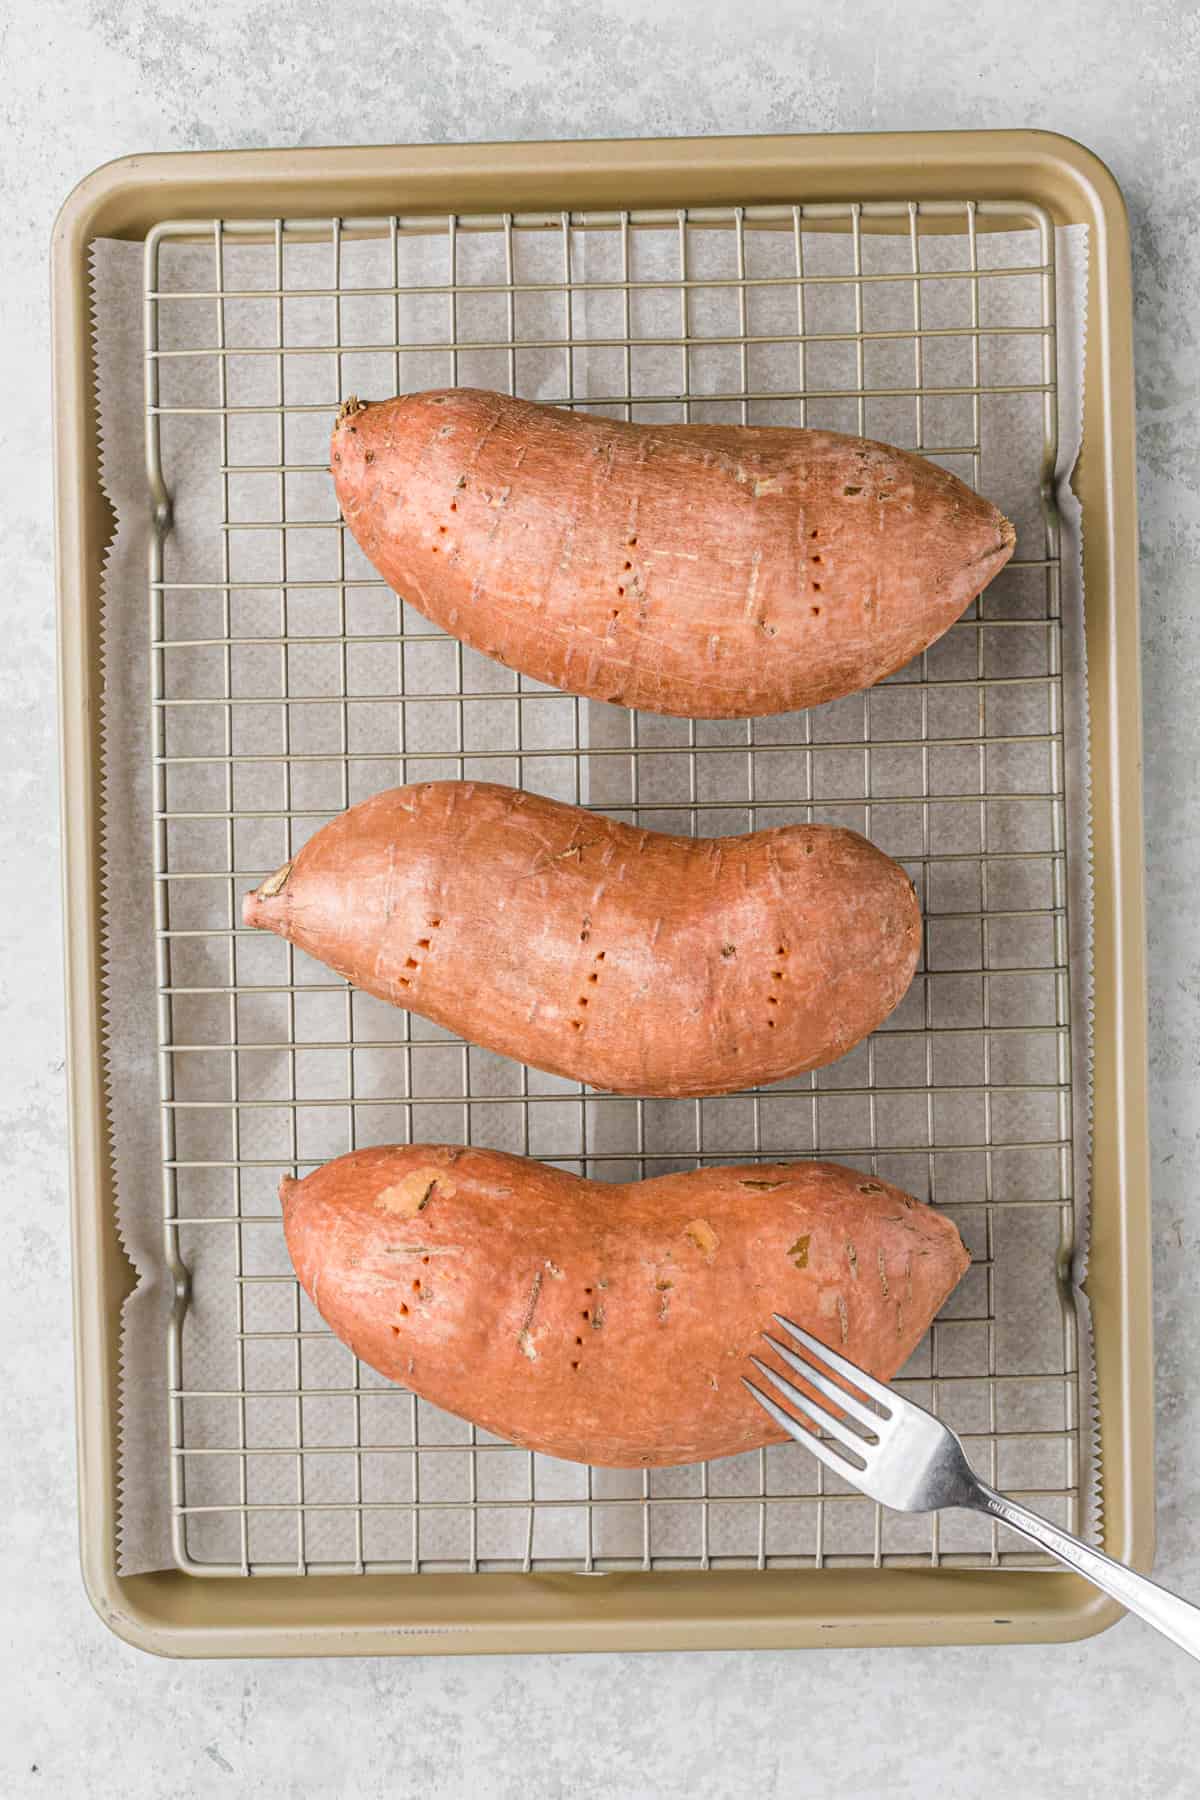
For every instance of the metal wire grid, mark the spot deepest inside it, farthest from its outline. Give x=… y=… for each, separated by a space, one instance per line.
x=284 y=687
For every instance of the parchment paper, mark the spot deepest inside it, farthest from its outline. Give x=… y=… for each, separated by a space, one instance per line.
x=226 y=1349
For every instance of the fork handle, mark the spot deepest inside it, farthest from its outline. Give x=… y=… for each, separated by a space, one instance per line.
x=1175 y=1618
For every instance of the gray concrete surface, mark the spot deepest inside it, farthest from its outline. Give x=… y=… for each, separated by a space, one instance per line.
x=87 y=81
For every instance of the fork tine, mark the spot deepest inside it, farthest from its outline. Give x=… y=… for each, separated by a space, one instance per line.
x=866 y=1384
x=835 y=1428
x=824 y=1385
x=833 y=1459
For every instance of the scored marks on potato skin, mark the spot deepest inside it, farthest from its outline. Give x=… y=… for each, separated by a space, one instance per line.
x=588 y=1316
x=412 y=964
x=778 y=976
x=583 y=1001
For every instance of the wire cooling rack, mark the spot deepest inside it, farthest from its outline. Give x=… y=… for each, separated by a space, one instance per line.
x=289 y=682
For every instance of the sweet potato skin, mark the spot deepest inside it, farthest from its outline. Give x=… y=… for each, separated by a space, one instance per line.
x=710 y=571
x=603 y=1323
x=628 y=959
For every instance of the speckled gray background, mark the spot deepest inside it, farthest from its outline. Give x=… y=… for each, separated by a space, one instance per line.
x=86 y=81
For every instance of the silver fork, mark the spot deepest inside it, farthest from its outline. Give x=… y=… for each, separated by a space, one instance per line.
x=904 y=1457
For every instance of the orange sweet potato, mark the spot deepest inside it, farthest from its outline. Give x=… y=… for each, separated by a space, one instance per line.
x=629 y=959
x=714 y=571
x=603 y=1323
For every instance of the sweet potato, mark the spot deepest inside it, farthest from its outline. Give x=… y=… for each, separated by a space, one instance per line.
x=603 y=1323
x=714 y=571
x=632 y=960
